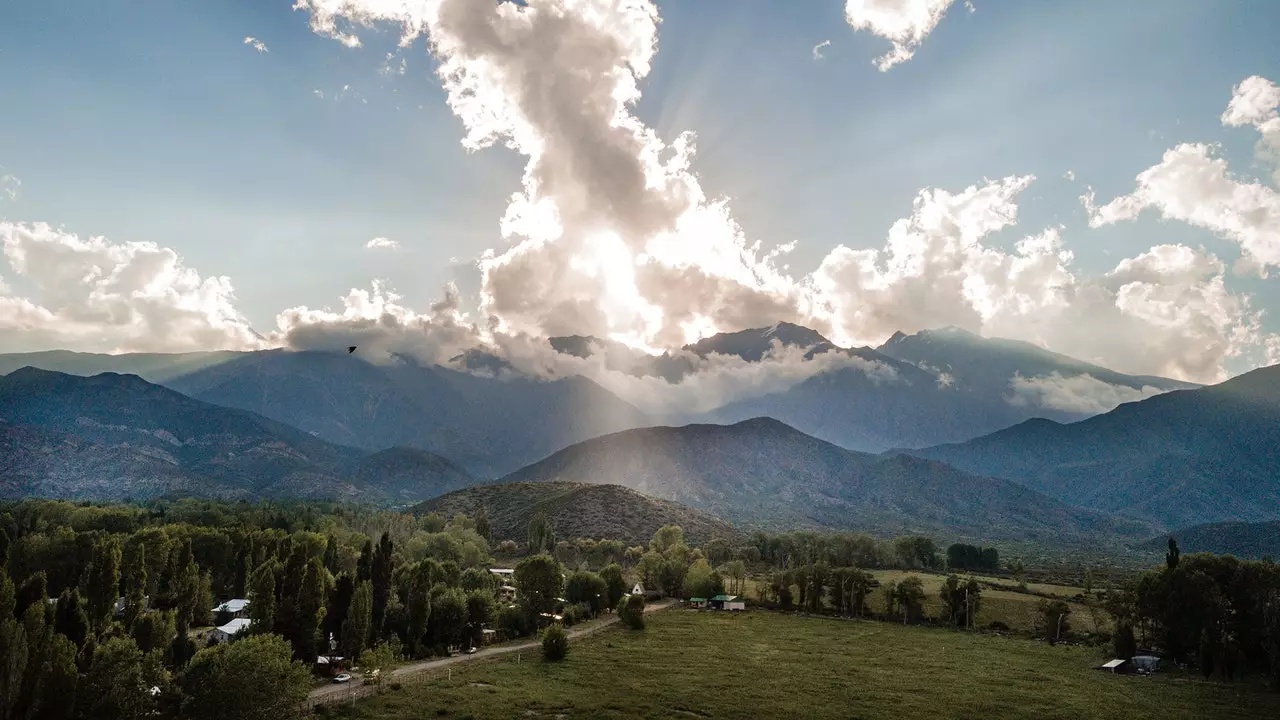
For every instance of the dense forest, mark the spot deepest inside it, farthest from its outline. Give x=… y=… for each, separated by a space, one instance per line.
x=105 y=611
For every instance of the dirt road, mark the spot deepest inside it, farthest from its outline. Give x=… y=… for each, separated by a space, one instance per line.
x=356 y=688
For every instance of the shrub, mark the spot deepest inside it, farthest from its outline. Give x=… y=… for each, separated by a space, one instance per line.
x=631 y=611
x=555 y=643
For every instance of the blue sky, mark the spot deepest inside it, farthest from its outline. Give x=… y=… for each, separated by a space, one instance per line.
x=150 y=120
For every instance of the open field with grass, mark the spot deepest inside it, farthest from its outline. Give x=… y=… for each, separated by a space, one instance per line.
x=768 y=665
x=1018 y=610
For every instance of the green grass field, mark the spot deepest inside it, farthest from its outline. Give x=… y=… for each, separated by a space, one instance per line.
x=767 y=665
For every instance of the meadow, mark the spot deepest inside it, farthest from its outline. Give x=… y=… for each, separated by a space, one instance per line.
x=768 y=665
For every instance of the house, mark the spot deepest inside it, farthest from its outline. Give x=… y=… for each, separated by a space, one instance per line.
x=225 y=633
x=697 y=602
x=122 y=604
x=507 y=593
x=728 y=602
x=503 y=572
x=237 y=608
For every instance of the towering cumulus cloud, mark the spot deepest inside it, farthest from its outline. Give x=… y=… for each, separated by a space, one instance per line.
x=99 y=295
x=611 y=234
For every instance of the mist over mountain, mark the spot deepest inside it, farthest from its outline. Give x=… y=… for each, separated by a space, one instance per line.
x=762 y=472
x=1182 y=458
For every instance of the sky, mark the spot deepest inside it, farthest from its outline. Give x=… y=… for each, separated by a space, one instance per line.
x=1099 y=178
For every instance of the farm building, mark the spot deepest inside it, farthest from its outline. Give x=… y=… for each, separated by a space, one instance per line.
x=697 y=602
x=225 y=633
x=236 y=608
x=728 y=602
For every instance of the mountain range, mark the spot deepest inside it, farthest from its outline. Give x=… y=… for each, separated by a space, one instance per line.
x=114 y=437
x=1253 y=541
x=1178 y=459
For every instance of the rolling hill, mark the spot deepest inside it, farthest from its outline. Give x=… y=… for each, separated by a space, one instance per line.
x=580 y=510
x=1183 y=458
x=762 y=472
x=115 y=437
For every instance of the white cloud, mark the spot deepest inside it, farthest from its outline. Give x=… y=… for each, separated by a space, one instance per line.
x=1191 y=185
x=817 y=49
x=9 y=185
x=318 y=93
x=256 y=44
x=97 y=295
x=382 y=243
x=1256 y=101
x=1079 y=393
x=905 y=23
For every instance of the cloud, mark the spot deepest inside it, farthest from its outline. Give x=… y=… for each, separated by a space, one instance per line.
x=1256 y=101
x=257 y=44
x=905 y=23
x=817 y=49
x=382 y=243
x=97 y=295
x=9 y=187
x=1190 y=184
x=1070 y=176
x=1079 y=393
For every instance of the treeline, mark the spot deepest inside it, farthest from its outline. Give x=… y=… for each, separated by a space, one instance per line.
x=1216 y=613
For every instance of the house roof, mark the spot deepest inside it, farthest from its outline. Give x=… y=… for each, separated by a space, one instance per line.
x=502 y=571
x=697 y=599
x=232 y=606
x=235 y=626
x=1113 y=663
x=726 y=598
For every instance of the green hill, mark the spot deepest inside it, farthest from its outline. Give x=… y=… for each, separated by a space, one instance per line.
x=580 y=510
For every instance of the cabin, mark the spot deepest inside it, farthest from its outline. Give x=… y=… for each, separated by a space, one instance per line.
x=697 y=603
x=728 y=602
x=225 y=633
x=236 y=608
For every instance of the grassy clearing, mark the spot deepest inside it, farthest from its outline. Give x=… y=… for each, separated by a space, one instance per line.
x=767 y=665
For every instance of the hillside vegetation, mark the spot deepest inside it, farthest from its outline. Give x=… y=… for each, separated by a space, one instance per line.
x=579 y=510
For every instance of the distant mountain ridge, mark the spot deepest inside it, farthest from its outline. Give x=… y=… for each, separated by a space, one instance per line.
x=1183 y=458
x=580 y=510
x=762 y=472
x=1253 y=541
x=114 y=437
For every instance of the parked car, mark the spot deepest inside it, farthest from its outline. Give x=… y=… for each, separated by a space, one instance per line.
x=471 y=651
x=344 y=677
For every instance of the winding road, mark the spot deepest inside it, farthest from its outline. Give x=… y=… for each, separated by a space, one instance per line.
x=340 y=692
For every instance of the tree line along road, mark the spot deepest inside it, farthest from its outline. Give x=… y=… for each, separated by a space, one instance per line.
x=357 y=688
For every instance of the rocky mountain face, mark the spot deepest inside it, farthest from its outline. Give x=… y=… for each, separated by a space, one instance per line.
x=1178 y=459
x=117 y=437
x=764 y=473
x=580 y=510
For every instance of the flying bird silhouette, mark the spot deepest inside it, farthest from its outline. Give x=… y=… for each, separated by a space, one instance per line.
x=351 y=349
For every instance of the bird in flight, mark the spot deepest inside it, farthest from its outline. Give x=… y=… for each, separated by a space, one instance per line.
x=351 y=349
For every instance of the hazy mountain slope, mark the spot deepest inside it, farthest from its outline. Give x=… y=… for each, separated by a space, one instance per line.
x=987 y=364
x=762 y=472
x=580 y=510
x=152 y=367
x=754 y=343
x=117 y=436
x=1244 y=540
x=1183 y=458
x=487 y=425
x=407 y=474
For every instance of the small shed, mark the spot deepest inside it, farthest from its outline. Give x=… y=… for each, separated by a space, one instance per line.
x=224 y=633
x=1119 y=665
x=697 y=602
x=728 y=602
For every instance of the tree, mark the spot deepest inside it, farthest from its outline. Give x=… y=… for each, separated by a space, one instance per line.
x=483 y=527
x=480 y=612
x=909 y=597
x=310 y=611
x=115 y=687
x=383 y=569
x=13 y=656
x=103 y=582
x=1053 y=619
x=419 y=607
x=202 y=608
x=960 y=599
x=541 y=535
x=356 y=629
x=555 y=643
x=339 y=602
x=1172 y=557
x=702 y=581
x=631 y=611
x=474 y=578
x=539 y=581
x=587 y=587
x=916 y=551
x=154 y=630
x=35 y=589
x=56 y=694
x=615 y=584
x=69 y=617
x=736 y=572
x=1124 y=644
x=262 y=597
x=254 y=679
x=331 y=555
x=448 y=622
x=364 y=564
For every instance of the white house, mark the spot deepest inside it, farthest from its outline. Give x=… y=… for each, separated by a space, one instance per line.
x=237 y=608
x=226 y=632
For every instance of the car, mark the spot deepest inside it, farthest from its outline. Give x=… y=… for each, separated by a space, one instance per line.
x=471 y=651
x=344 y=677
